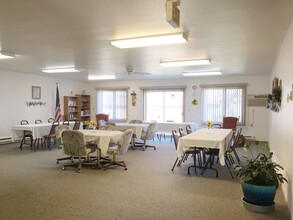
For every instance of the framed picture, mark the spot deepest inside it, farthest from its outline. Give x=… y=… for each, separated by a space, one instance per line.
x=36 y=92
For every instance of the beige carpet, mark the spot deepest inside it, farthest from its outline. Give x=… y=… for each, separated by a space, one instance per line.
x=33 y=186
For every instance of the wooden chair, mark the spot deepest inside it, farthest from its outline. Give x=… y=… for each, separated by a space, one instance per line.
x=26 y=135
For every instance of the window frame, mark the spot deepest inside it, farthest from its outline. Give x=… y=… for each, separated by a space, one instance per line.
x=124 y=89
x=163 y=88
x=242 y=86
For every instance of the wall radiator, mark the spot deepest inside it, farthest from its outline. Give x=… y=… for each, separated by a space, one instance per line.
x=5 y=140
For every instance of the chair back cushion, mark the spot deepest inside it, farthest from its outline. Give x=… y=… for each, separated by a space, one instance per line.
x=230 y=123
x=151 y=131
x=109 y=128
x=74 y=143
x=135 y=121
x=58 y=130
x=124 y=141
x=101 y=123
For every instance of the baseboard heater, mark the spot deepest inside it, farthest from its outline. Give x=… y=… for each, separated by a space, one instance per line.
x=5 y=140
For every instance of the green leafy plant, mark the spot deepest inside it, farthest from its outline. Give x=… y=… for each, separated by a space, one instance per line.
x=259 y=169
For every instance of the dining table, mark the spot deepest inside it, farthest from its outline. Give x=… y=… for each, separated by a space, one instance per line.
x=208 y=138
x=38 y=130
x=102 y=138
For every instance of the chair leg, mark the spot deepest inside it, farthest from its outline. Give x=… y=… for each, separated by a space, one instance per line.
x=175 y=164
x=208 y=165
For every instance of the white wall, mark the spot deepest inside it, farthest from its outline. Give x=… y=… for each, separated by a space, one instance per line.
x=16 y=90
x=281 y=123
x=259 y=84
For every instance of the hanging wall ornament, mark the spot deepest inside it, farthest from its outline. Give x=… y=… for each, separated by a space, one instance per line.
x=194 y=100
x=133 y=98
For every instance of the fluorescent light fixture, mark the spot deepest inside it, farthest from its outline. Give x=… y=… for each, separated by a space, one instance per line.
x=101 y=77
x=176 y=38
x=4 y=55
x=60 y=70
x=206 y=73
x=191 y=62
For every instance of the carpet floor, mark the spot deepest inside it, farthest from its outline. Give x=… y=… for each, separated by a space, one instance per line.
x=33 y=186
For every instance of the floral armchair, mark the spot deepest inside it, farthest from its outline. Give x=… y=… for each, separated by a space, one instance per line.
x=74 y=145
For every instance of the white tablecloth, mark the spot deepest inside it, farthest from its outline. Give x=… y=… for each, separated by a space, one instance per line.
x=102 y=138
x=38 y=130
x=213 y=138
x=169 y=126
x=137 y=128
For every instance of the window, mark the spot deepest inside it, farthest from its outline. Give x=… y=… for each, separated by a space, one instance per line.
x=113 y=102
x=218 y=101
x=164 y=105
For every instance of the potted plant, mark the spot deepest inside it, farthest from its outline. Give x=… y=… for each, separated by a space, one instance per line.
x=260 y=176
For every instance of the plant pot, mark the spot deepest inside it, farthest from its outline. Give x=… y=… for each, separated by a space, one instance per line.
x=259 y=195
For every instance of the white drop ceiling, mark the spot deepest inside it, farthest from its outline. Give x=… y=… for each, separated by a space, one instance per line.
x=239 y=36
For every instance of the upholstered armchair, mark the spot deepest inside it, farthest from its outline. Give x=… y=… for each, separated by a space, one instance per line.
x=101 y=123
x=120 y=148
x=109 y=128
x=101 y=116
x=149 y=134
x=228 y=123
x=74 y=145
x=58 y=130
x=135 y=121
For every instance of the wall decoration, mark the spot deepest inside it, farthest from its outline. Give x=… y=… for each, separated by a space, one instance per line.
x=274 y=99
x=133 y=98
x=194 y=101
x=35 y=103
x=36 y=92
x=290 y=95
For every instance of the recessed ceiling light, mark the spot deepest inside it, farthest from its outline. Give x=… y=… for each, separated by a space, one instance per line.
x=4 y=55
x=206 y=73
x=191 y=62
x=176 y=38
x=101 y=77
x=60 y=70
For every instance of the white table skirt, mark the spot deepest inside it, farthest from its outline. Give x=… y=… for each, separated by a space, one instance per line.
x=102 y=138
x=38 y=130
x=137 y=128
x=213 y=138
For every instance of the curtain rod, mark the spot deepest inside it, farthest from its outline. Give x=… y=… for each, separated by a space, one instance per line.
x=113 y=88
x=223 y=85
x=163 y=87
